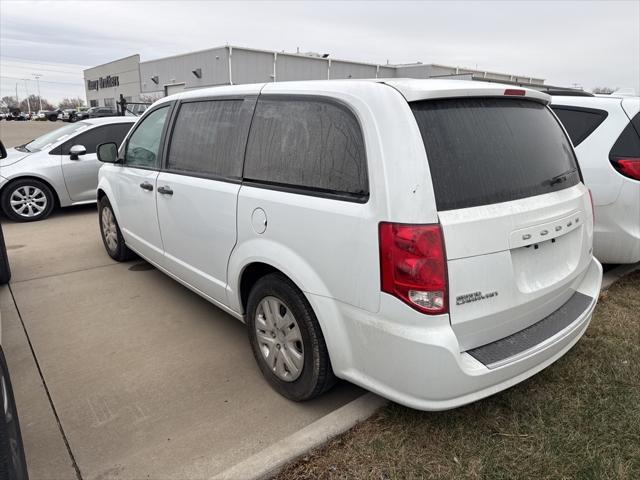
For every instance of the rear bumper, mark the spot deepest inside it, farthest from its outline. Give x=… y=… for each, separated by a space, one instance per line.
x=417 y=361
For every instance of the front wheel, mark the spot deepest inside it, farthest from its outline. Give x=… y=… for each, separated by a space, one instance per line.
x=286 y=339
x=111 y=234
x=27 y=200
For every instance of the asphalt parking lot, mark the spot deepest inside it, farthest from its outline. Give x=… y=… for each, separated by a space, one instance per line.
x=17 y=133
x=120 y=372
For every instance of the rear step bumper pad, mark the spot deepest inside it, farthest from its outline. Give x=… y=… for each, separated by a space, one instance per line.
x=494 y=354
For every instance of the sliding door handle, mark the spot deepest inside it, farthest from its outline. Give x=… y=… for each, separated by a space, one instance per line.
x=165 y=190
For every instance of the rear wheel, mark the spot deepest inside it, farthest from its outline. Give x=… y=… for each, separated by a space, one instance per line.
x=27 y=200
x=111 y=234
x=286 y=339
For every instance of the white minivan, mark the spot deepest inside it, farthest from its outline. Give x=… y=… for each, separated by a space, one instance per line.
x=428 y=240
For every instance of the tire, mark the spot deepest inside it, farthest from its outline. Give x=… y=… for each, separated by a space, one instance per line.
x=12 y=458
x=315 y=375
x=37 y=200
x=5 y=270
x=110 y=233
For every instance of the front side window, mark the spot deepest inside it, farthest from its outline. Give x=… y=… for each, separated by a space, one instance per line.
x=579 y=122
x=209 y=137
x=311 y=144
x=144 y=144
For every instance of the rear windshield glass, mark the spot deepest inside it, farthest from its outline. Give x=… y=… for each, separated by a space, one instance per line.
x=490 y=150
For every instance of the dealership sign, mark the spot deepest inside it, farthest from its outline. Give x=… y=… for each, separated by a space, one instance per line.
x=103 y=82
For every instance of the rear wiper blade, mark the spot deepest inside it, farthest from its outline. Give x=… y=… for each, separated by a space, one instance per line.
x=561 y=178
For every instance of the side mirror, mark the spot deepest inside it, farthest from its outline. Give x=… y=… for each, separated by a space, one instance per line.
x=108 y=152
x=76 y=151
x=3 y=151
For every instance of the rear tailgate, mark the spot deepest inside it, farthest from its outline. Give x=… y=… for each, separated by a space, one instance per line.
x=516 y=218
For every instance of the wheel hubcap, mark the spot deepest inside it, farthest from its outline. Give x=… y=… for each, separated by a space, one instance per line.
x=279 y=339
x=28 y=201
x=109 y=229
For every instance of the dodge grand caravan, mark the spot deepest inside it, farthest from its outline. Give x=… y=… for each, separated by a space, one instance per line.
x=429 y=240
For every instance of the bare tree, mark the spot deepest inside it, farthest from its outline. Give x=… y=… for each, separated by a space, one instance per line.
x=71 y=103
x=604 y=90
x=7 y=103
x=34 y=101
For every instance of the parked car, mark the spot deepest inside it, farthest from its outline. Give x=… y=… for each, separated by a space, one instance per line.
x=12 y=457
x=82 y=113
x=98 y=112
x=68 y=115
x=605 y=131
x=429 y=240
x=58 y=168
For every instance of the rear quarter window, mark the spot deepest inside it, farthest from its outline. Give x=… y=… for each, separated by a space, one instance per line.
x=311 y=145
x=489 y=150
x=579 y=122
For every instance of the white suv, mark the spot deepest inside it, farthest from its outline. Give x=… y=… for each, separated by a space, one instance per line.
x=429 y=240
x=605 y=131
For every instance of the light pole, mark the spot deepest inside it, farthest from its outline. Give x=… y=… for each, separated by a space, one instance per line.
x=27 y=92
x=38 y=75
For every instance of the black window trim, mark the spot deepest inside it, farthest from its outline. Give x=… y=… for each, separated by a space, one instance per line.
x=311 y=191
x=169 y=137
x=161 y=151
x=596 y=111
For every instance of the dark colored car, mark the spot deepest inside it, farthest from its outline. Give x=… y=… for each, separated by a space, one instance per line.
x=96 y=112
x=13 y=464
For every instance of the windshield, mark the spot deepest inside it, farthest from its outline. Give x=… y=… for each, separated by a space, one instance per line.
x=53 y=137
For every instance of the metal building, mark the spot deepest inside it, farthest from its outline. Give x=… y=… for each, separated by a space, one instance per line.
x=228 y=65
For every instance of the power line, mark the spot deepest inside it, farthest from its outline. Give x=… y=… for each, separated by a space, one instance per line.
x=45 y=81
x=28 y=60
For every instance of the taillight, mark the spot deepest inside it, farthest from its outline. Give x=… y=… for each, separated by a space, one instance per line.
x=516 y=92
x=593 y=206
x=413 y=265
x=627 y=166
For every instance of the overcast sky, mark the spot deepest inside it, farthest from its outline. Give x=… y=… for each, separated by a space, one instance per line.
x=590 y=43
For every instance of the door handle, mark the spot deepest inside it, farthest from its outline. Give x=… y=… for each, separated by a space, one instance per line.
x=165 y=190
x=146 y=186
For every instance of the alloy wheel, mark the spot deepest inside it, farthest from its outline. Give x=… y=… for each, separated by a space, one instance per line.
x=109 y=229
x=279 y=339
x=28 y=201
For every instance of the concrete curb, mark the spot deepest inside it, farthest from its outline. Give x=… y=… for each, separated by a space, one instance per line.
x=272 y=459
x=615 y=274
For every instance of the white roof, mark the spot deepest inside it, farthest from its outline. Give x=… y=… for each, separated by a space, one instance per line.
x=412 y=89
x=106 y=120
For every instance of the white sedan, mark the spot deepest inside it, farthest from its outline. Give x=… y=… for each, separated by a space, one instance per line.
x=59 y=168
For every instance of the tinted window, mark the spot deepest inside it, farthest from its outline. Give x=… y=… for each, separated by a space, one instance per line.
x=210 y=137
x=489 y=150
x=94 y=137
x=144 y=144
x=307 y=143
x=628 y=143
x=579 y=122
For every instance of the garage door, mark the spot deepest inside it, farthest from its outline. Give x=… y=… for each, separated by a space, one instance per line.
x=175 y=88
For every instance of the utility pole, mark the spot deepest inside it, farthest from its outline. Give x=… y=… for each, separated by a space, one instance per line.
x=27 y=93
x=38 y=75
x=17 y=98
